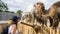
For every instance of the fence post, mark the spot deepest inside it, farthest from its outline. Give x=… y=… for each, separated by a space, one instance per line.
x=51 y=30
x=54 y=31
x=57 y=31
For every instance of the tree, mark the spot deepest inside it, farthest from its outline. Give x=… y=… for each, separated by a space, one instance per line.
x=19 y=12
x=3 y=6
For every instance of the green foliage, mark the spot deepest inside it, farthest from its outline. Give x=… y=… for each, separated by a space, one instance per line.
x=3 y=6
x=19 y=12
x=9 y=11
x=1 y=11
x=12 y=12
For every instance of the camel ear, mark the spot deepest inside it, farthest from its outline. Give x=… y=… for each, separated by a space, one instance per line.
x=34 y=6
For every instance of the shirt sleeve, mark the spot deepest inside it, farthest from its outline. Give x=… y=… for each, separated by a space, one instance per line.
x=13 y=30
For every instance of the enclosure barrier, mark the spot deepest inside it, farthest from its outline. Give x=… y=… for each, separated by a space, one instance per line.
x=27 y=29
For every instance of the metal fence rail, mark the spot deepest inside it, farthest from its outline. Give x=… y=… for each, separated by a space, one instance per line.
x=1 y=22
x=7 y=15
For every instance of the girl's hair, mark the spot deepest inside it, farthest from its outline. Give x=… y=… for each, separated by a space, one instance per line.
x=15 y=20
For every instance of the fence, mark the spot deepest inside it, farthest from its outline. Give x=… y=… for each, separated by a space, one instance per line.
x=24 y=29
x=7 y=15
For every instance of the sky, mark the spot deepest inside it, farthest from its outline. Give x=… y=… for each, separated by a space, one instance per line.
x=26 y=5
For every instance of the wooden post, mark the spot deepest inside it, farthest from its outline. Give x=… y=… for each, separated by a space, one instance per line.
x=51 y=30
x=54 y=31
x=19 y=28
x=58 y=31
x=0 y=28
